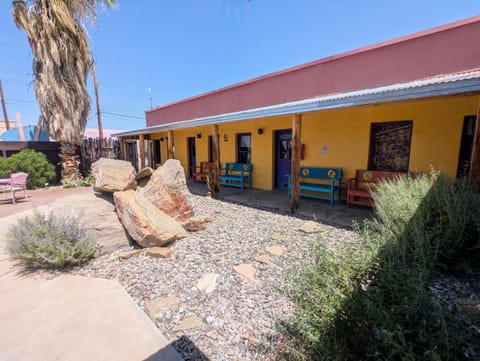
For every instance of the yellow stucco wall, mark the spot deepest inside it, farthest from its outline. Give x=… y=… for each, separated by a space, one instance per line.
x=341 y=137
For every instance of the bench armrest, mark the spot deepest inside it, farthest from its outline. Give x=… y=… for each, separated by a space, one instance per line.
x=351 y=183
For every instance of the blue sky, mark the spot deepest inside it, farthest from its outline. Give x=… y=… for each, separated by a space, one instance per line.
x=186 y=47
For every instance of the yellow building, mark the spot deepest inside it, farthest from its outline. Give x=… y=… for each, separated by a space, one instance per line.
x=403 y=105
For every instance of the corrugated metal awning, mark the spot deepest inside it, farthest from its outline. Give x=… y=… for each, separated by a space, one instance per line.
x=458 y=83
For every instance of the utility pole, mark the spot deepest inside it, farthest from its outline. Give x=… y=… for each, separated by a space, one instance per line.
x=5 y=116
x=99 y=114
x=150 y=97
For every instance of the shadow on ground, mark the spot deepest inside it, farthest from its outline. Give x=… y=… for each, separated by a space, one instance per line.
x=184 y=347
x=277 y=202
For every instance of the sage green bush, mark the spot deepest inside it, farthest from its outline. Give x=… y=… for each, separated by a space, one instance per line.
x=86 y=181
x=371 y=300
x=40 y=170
x=51 y=241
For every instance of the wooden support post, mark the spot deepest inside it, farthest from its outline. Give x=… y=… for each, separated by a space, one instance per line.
x=5 y=116
x=141 y=141
x=171 y=150
x=20 y=127
x=295 y=169
x=474 y=172
x=37 y=129
x=122 y=148
x=216 y=157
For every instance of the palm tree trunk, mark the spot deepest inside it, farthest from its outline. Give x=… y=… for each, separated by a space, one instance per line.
x=70 y=164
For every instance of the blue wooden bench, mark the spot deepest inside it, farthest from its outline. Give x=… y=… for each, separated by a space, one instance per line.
x=326 y=182
x=235 y=175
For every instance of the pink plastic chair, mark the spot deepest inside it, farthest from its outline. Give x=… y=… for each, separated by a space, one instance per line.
x=16 y=182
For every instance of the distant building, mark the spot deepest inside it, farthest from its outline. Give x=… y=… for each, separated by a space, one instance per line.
x=3 y=126
x=13 y=135
x=93 y=133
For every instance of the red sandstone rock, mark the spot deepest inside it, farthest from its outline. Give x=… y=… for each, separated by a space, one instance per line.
x=167 y=190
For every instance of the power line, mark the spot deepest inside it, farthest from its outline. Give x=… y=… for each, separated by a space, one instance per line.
x=123 y=115
x=14 y=101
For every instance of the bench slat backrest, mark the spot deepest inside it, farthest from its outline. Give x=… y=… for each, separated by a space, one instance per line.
x=238 y=167
x=205 y=165
x=333 y=174
x=375 y=176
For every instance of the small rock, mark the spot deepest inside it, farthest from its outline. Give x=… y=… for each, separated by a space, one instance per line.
x=157 y=306
x=189 y=323
x=247 y=271
x=310 y=227
x=276 y=250
x=128 y=254
x=212 y=335
x=193 y=224
x=469 y=307
x=159 y=252
x=206 y=218
x=144 y=173
x=280 y=237
x=264 y=259
x=208 y=282
x=196 y=223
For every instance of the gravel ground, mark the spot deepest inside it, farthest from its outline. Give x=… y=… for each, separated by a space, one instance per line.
x=237 y=320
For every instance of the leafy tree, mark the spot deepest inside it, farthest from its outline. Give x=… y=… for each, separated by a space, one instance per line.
x=61 y=62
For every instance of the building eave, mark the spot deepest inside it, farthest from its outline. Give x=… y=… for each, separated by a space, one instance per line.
x=450 y=84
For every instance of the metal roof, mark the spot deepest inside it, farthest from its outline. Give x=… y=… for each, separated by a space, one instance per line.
x=449 y=84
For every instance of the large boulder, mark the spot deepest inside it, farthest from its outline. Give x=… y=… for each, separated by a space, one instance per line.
x=97 y=213
x=167 y=190
x=113 y=175
x=145 y=223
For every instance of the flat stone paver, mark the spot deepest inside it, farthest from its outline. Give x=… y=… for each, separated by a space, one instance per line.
x=276 y=250
x=247 y=271
x=65 y=317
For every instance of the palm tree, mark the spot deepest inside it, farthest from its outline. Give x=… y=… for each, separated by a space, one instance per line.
x=61 y=62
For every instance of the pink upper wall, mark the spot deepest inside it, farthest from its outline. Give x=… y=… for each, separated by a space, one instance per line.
x=446 y=49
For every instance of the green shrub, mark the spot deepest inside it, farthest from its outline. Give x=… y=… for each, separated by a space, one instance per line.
x=372 y=300
x=48 y=240
x=441 y=214
x=40 y=170
x=86 y=181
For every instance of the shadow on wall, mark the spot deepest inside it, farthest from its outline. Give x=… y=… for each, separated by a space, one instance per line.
x=184 y=347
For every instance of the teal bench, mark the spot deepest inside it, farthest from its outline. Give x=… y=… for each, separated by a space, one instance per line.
x=235 y=175
x=329 y=183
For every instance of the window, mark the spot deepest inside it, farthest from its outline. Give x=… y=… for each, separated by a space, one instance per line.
x=244 y=148
x=390 y=146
